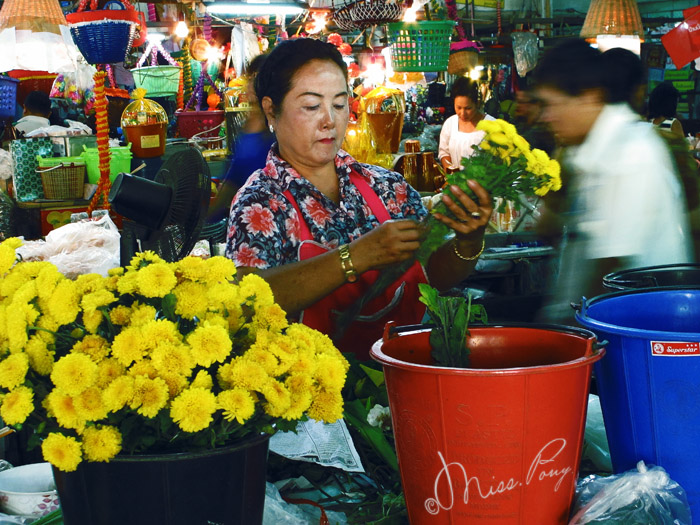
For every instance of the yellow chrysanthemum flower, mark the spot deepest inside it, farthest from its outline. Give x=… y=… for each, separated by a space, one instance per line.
x=203 y=380
x=62 y=407
x=89 y=405
x=192 y=268
x=209 y=344
x=89 y=282
x=278 y=398
x=128 y=283
x=246 y=374
x=74 y=373
x=120 y=315
x=26 y=292
x=520 y=143
x=115 y=272
x=94 y=346
x=191 y=298
x=150 y=395
x=129 y=346
x=237 y=404
x=142 y=314
x=270 y=317
x=7 y=255
x=300 y=403
x=64 y=303
x=108 y=370
x=118 y=393
x=13 y=370
x=176 y=383
x=17 y=405
x=193 y=409
x=172 y=359
x=223 y=295
x=220 y=269
x=143 y=259
x=160 y=331
x=255 y=290
x=63 y=452
x=156 y=280
x=143 y=368
x=16 y=322
x=101 y=443
x=326 y=406
x=263 y=357
x=40 y=357
x=93 y=300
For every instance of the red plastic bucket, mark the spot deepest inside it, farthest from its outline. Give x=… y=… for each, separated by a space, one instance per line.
x=497 y=443
x=147 y=140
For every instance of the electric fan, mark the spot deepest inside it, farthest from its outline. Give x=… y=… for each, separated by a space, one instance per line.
x=165 y=215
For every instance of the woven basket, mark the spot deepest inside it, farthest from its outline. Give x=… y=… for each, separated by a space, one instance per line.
x=158 y=81
x=104 y=36
x=201 y=123
x=8 y=96
x=462 y=61
x=365 y=13
x=63 y=181
x=420 y=46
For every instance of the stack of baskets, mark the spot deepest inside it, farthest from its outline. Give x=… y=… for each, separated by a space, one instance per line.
x=62 y=177
x=420 y=46
x=104 y=36
x=8 y=95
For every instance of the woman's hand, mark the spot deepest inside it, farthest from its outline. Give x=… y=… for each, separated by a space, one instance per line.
x=390 y=243
x=470 y=216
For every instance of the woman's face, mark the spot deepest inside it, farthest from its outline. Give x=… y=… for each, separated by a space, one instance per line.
x=310 y=124
x=466 y=109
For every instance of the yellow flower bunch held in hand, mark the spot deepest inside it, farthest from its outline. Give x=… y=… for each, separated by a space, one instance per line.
x=157 y=357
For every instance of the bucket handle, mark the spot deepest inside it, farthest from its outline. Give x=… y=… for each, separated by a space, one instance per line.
x=581 y=307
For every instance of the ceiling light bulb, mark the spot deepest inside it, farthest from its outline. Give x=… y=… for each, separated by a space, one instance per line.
x=181 y=29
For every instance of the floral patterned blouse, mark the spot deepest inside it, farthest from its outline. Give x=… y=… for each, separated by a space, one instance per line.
x=263 y=227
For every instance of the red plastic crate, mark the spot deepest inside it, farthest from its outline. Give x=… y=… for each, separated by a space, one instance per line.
x=190 y=123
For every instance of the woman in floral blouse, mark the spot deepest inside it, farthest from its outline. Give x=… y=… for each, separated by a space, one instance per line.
x=318 y=225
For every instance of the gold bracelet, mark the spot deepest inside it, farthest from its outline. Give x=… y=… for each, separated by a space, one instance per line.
x=475 y=256
x=346 y=263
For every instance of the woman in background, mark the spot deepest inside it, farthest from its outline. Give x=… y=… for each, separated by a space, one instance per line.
x=663 y=103
x=459 y=134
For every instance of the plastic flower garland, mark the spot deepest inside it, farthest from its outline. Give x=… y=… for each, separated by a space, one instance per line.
x=158 y=357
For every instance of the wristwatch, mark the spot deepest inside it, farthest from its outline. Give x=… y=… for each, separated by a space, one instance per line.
x=346 y=263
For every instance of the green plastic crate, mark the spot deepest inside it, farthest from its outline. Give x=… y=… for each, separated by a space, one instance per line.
x=119 y=162
x=420 y=46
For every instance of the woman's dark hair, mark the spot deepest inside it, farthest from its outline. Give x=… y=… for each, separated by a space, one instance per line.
x=571 y=67
x=274 y=79
x=463 y=87
x=254 y=65
x=625 y=74
x=663 y=101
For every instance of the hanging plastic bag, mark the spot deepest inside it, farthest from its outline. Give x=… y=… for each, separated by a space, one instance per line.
x=641 y=496
x=524 y=51
x=595 y=441
x=77 y=87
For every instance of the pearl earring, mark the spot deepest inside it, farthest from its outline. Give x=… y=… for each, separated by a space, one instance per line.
x=272 y=128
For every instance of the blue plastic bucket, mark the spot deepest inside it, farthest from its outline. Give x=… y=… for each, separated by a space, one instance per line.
x=649 y=380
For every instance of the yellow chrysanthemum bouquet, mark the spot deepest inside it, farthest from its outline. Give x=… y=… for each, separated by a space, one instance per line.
x=157 y=357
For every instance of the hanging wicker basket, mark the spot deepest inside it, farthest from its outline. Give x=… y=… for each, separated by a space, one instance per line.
x=104 y=36
x=420 y=46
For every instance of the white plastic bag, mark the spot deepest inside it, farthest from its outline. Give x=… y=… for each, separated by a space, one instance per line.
x=525 y=51
x=641 y=496
x=88 y=246
x=595 y=440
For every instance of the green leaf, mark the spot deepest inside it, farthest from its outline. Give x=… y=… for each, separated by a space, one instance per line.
x=355 y=414
x=376 y=376
x=168 y=306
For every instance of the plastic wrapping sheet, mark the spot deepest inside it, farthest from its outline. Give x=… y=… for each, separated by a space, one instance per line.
x=524 y=51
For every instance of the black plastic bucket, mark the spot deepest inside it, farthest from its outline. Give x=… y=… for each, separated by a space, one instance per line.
x=224 y=486
x=666 y=276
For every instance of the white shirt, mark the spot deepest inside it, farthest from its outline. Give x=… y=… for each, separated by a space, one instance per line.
x=628 y=202
x=30 y=123
x=458 y=144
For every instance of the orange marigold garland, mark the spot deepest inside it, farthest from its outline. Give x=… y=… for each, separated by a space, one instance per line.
x=103 y=153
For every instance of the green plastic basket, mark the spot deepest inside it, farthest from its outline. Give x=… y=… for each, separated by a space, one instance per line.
x=420 y=46
x=158 y=81
x=119 y=162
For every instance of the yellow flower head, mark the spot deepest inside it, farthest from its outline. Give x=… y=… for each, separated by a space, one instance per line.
x=101 y=443
x=160 y=331
x=129 y=346
x=120 y=315
x=210 y=344
x=40 y=357
x=74 y=373
x=94 y=346
x=17 y=405
x=62 y=407
x=172 y=359
x=143 y=259
x=142 y=314
x=89 y=405
x=192 y=268
x=193 y=409
x=270 y=317
x=277 y=396
x=191 y=298
x=118 y=393
x=156 y=280
x=150 y=395
x=63 y=452
x=237 y=404
x=330 y=372
x=128 y=283
x=93 y=300
x=326 y=406
x=108 y=370
x=220 y=269
x=46 y=281
x=89 y=283
x=245 y=374
x=13 y=370
x=255 y=290
x=64 y=302
x=203 y=380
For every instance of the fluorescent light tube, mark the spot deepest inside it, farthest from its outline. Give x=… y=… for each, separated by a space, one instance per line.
x=229 y=8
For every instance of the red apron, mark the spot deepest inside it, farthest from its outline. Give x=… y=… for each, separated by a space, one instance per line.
x=398 y=303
